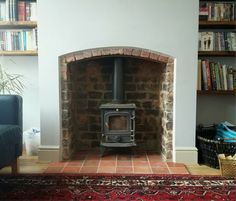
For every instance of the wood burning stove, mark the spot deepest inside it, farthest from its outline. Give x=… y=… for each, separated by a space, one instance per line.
x=117 y=118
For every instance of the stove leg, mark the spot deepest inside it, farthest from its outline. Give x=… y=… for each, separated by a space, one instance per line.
x=102 y=150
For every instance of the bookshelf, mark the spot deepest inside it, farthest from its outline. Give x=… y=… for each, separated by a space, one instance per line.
x=218 y=104
x=18 y=28
x=218 y=92
x=217 y=39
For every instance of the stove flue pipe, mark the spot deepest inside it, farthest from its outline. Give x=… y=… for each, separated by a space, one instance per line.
x=118 y=89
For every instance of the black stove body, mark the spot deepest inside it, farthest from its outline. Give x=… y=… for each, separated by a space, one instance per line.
x=117 y=118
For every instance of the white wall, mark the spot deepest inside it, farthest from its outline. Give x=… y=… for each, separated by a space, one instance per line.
x=165 y=26
x=28 y=67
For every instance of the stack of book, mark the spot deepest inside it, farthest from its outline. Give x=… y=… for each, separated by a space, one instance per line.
x=18 y=40
x=217 y=11
x=215 y=76
x=217 y=41
x=18 y=10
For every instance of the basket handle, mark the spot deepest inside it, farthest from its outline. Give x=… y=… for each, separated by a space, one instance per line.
x=223 y=139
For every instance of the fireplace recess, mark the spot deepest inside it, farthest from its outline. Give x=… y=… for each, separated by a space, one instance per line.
x=117 y=118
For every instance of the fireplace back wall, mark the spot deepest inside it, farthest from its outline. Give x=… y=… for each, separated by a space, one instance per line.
x=91 y=86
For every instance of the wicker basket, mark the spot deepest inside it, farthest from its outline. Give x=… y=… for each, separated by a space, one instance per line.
x=227 y=167
x=209 y=148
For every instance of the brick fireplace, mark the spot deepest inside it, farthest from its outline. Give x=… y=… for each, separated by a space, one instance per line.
x=86 y=83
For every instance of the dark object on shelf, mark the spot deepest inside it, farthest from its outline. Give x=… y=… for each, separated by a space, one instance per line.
x=209 y=147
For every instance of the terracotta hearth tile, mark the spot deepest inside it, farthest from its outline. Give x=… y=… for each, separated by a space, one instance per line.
x=121 y=163
x=140 y=158
x=108 y=157
x=105 y=163
x=124 y=157
x=54 y=169
x=88 y=169
x=160 y=170
x=58 y=164
x=172 y=164
x=156 y=164
x=127 y=170
x=142 y=169
x=93 y=156
x=71 y=170
x=155 y=157
x=75 y=163
x=91 y=162
x=80 y=156
x=178 y=170
x=141 y=163
x=106 y=169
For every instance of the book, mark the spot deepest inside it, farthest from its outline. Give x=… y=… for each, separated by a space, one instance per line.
x=199 y=75
x=207 y=41
x=217 y=72
x=208 y=75
x=21 y=10
x=230 y=78
x=234 y=79
x=225 y=77
x=213 y=75
x=203 y=11
x=2 y=11
x=204 y=76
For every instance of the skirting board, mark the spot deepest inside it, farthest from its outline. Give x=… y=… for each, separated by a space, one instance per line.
x=186 y=155
x=49 y=153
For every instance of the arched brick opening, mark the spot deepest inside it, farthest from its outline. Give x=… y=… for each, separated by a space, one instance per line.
x=85 y=83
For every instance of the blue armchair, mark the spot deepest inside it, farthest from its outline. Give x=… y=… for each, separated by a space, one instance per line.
x=10 y=130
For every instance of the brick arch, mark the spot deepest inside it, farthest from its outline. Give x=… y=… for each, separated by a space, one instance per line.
x=132 y=52
x=117 y=51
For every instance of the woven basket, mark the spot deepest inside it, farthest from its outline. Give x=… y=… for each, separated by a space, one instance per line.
x=209 y=148
x=227 y=167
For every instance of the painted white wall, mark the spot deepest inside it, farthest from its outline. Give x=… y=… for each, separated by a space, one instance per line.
x=28 y=67
x=165 y=26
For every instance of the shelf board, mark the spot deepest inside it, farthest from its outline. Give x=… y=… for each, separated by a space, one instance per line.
x=217 y=24
x=17 y=24
x=218 y=92
x=217 y=53
x=19 y=53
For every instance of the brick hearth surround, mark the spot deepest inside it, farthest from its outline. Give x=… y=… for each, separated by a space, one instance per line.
x=86 y=82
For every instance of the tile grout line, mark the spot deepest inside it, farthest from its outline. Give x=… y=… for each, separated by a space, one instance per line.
x=149 y=163
x=132 y=161
x=116 y=163
x=168 y=167
x=82 y=165
x=98 y=166
x=66 y=163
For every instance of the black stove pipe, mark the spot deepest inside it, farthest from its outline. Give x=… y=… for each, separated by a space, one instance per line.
x=118 y=92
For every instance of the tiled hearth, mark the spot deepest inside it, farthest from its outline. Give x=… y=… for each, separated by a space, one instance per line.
x=118 y=162
x=86 y=83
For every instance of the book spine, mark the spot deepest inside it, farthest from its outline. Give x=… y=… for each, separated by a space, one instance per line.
x=208 y=74
x=218 y=86
x=21 y=10
x=224 y=69
x=230 y=78
x=213 y=75
x=234 y=79
x=204 y=75
x=199 y=80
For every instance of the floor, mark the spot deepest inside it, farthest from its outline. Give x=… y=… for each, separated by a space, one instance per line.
x=144 y=163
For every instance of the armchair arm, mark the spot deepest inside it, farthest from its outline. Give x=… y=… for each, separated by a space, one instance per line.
x=11 y=110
